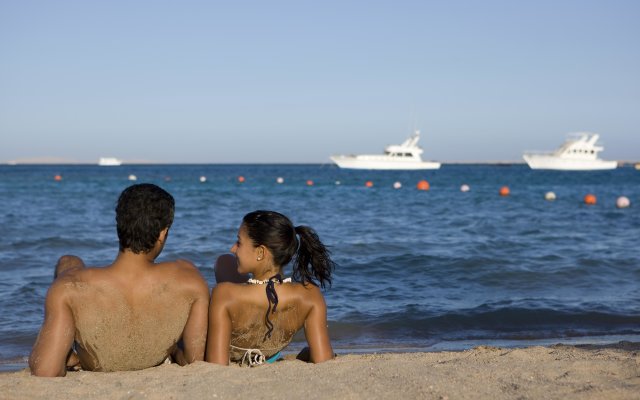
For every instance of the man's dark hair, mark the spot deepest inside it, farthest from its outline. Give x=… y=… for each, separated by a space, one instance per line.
x=142 y=212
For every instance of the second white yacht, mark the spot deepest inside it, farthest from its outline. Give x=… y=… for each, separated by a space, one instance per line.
x=405 y=156
x=578 y=153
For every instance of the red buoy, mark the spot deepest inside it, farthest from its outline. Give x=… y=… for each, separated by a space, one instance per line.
x=423 y=185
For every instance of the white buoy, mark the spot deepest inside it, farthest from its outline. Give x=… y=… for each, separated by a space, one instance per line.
x=280 y=179
x=337 y=182
x=550 y=196
x=465 y=188
x=132 y=177
x=623 y=202
x=203 y=179
x=397 y=185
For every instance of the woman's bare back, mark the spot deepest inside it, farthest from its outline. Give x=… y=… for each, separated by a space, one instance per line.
x=247 y=308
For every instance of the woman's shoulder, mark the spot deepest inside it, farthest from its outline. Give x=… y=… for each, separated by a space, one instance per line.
x=235 y=291
x=227 y=288
x=307 y=292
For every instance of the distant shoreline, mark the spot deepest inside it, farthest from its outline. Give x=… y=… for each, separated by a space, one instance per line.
x=621 y=164
x=125 y=163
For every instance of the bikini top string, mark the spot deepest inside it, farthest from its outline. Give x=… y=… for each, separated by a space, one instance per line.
x=272 y=297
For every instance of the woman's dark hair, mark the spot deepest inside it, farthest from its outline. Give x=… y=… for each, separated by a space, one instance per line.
x=142 y=212
x=312 y=263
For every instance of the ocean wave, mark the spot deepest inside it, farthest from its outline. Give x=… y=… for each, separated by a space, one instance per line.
x=484 y=322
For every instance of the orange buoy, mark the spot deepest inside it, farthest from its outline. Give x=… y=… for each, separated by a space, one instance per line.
x=590 y=199
x=423 y=185
x=368 y=184
x=504 y=191
x=309 y=182
x=241 y=179
x=57 y=178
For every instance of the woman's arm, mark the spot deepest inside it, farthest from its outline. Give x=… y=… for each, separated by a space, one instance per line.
x=219 y=336
x=316 y=330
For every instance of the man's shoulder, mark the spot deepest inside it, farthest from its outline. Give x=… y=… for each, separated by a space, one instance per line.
x=75 y=277
x=65 y=286
x=179 y=266
x=186 y=272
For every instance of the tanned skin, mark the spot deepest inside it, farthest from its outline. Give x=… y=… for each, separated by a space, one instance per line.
x=237 y=311
x=128 y=315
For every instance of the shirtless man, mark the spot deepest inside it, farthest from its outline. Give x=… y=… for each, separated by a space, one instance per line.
x=131 y=314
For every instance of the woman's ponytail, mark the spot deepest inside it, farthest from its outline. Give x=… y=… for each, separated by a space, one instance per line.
x=312 y=263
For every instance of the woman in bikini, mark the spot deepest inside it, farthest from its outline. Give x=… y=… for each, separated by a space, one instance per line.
x=250 y=322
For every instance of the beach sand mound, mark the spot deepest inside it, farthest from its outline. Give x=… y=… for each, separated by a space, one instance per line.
x=555 y=372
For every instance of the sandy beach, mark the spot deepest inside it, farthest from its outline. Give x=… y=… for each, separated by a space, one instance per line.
x=555 y=372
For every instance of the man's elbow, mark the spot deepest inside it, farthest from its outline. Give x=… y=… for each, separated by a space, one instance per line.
x=192 y=356
x=45 y=371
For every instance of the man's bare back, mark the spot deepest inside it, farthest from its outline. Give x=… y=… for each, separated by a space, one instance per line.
x=131 y=314
x=130 y=320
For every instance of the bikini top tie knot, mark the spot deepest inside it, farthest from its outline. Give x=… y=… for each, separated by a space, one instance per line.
x=272 y=298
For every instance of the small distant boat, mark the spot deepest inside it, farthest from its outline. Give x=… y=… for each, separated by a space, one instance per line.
x=578 y=153
x=109 y=162
x=405 y=156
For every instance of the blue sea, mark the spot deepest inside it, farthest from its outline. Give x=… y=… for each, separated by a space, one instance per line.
x=417 y=270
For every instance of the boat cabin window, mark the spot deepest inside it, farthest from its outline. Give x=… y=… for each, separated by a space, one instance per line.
x=388 y=153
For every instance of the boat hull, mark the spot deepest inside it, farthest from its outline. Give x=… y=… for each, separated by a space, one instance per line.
x=564 y=164
x=348 y=162
x=109 y=162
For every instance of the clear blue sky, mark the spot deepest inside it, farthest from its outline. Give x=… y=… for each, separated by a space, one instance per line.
x=297 y=81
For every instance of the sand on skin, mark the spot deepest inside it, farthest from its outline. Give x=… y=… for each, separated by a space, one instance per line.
x=556 y=372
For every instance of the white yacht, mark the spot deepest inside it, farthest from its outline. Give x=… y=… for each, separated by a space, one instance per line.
x=109 y=162
x=578 y=153
x=405 y=156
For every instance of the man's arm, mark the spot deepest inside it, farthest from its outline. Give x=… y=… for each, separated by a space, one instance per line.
x=194 y=335
x=49 y=354
x=219 y=336
x=315 y=329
